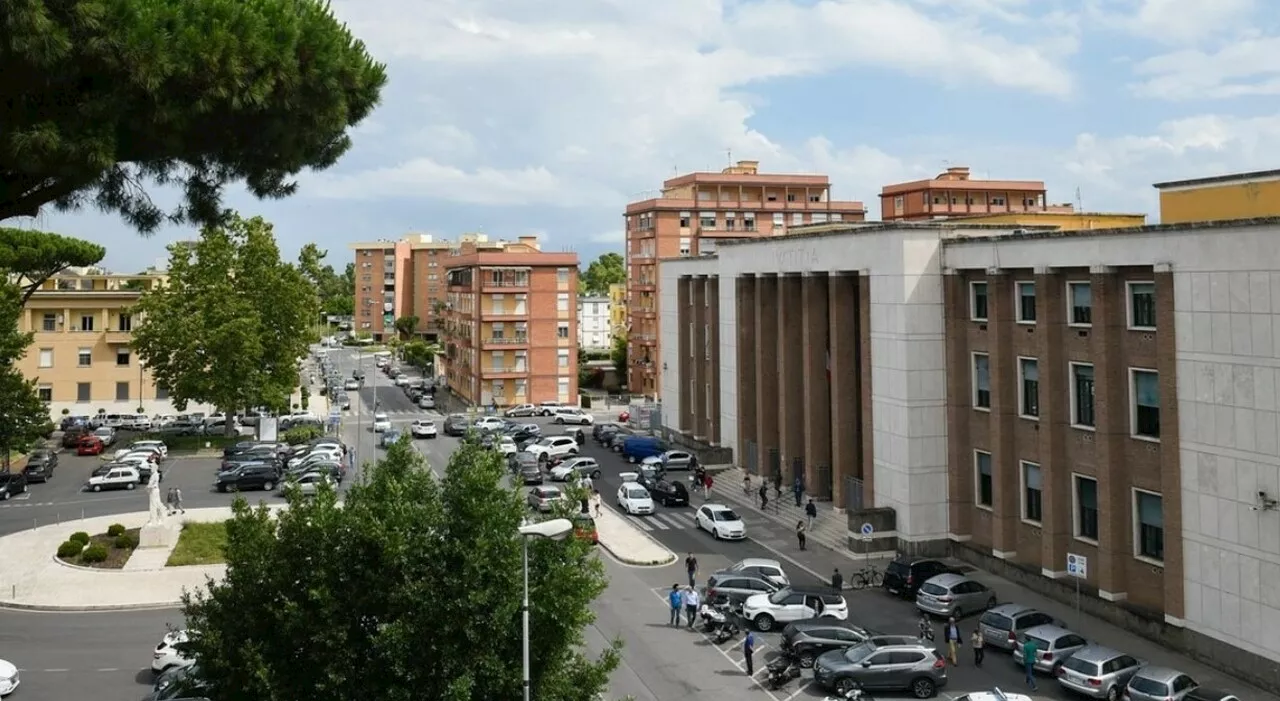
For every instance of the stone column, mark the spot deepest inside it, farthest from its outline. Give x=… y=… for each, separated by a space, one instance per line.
x=684 y=360
x=713 y=364
x=790 y=374
x=815 y=301
x=698 y=352
x=767 y=287
x=748 y=382
x=1055 y=422
x=1006 y=482
x=960 y=497
x=866 y=408
x=1111 y=414
x=1171 y=474
x=844 y=322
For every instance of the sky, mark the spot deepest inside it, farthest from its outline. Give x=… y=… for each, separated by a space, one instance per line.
x=512 y=117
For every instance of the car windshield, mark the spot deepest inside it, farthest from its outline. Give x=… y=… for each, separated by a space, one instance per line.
x=1086 y=667
x=726 y=515
x=637 y=493
x=546 y=442
x=933 y=589
x=780 y=596
x=1151 y=687
x=857 y=652
x=1040 y=643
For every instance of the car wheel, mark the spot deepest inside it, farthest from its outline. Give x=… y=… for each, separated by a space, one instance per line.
x=764 y=623
x=957 y=613
x=844 y=686
x=130 y=486
x=266 y=486
x=595 y=475
x=24 y=489
x=923 y=688
x=632 y=459
x=4 y=496
x=560 y=421
x=1113 y=694
x=805 y=659
x=715 y=533
x=96 y=488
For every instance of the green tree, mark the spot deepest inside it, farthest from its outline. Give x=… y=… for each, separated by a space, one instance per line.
x=36 y=256
x=421 y=355
x=619 y=357
x=406 y=326
x=24 y=419
x=608 y=269
x=336 y=295
x=198 y=94
x=231 y=323
x=410 y=590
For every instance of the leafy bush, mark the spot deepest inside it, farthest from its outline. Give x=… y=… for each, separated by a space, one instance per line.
x=126 y=541
x=94 y=553
x=113 y=530
x=80 y=537
x=70 y=549
x=302 y=434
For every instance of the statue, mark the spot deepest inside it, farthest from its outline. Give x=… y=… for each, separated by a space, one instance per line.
x=155 y=508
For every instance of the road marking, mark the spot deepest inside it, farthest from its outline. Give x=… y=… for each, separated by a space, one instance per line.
x=108 y=669
x=655 y=521
x=640 y=524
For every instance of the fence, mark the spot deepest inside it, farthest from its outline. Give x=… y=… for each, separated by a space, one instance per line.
x=853 y=494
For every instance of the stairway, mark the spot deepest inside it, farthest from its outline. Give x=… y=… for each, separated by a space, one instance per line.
x=829 y=528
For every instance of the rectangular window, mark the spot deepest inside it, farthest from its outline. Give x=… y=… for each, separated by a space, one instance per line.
x=498 y=359
x=686 y=246
x=1142 y=305
x=978 y=301
x=86 y=322
x=1028 y=387
x=499 y=304
x=791 y=197
x=1080 y=299
x=562 y=389
x=1148 y=510
x=1032 y=488
x=45 y=392
x=562 y=359
x=499 y=388
x=562 y=276
x=897 y=203
x=749 y=221
x=522 y=387
x=981 y=380
x=562 y=302
x=49 y=322
x=84 y=358
x=562 y=329
x=684 y=219
x=125 y=322
x=46 y=357
x=837 y=216
x=983 y=488
x=83 y=393
x=797 y=218
x=122 y=391
x=498 y=331
x=1082 y=415
x=707 y=220
x=1025 y=298
x=122 y=358
x=1146 y=403
x=1086 y=496
x=779 y=219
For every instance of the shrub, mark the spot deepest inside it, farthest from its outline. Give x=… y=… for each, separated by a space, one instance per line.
x=94 y=553
x=79 y=537
x=66 y=412
x=70 y=549
x=126 y=541
x=302 y=434
x=113 y=530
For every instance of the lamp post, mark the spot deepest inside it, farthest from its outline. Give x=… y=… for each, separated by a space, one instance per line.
x=554 y=529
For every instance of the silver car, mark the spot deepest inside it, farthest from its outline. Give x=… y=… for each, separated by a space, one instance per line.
x=1054 y=644
x=1003 y=625
x=954 y=595
x=1159 y=684
x=1098 y=672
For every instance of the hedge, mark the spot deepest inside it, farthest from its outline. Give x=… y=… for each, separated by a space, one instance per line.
x=94 y=553
x=113 y=530
x=302 y=434
x=79 y=537
x=70 y=549
x=126 y=541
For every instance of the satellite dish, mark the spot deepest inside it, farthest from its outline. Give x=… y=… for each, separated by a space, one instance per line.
x=388 y=307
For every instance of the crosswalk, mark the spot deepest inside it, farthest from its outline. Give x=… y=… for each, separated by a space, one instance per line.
x=664 y=521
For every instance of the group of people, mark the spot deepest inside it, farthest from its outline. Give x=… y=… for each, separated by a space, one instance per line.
x=954 y=640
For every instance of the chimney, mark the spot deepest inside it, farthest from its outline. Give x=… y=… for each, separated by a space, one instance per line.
x=530 y=241
x=955 y=173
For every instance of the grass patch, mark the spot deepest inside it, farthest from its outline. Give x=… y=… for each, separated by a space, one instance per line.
x=115 y=556
x=187 y=444
x=200 y=544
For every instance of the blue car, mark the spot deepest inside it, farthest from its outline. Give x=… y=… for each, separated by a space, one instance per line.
x=637 y=448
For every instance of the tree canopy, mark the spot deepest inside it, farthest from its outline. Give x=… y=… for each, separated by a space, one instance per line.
x=409 y=590
x=608 y=269
x=24 y=419
x=232 y=322
x=406 y=325
x=336 y=292
x=420 y=354
x=102 y=96
x=36 y=256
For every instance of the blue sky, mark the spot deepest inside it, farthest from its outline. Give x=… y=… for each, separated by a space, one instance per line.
x=512 y=117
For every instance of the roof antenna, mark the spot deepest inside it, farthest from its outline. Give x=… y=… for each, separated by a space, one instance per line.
x=729 y=153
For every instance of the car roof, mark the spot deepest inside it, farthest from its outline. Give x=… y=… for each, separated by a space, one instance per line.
x=756 y=562
x=825 y=622
x=993 y=695
x=883 y=641
x=1096 y=653
x=1049 y=631
x=1160 y=674
x=1004 y=609
x=716 y=507
x=947 y=579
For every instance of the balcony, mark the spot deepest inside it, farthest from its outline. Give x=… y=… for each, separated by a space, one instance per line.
x=118 y=338
x=504 y=313
x=643 y=285
x=502 y=372
x=505 y=342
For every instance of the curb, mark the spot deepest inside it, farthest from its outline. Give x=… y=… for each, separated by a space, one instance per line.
x=50 y=608
x=637 y=563
x=613 y=554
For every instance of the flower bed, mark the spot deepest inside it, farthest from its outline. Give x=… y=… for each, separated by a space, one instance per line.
x=108 y=551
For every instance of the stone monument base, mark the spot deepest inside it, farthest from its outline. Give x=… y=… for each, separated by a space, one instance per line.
x=158 y=535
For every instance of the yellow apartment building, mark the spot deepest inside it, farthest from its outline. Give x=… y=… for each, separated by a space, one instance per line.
x=1064 y=221
x=618 y=309
x=1222 y=197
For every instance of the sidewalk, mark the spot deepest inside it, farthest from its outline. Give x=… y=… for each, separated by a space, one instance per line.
x=629 y=544
x=830 y=530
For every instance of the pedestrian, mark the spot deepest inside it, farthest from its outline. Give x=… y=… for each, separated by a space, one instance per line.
x=746 y=483
x=1029 y=652
x=797 y=487
x=764 y=496
x=691 y=566
x=978 y=651
x=595 y=498
x=800 y=533
x=691 y=605
x=951 y=636
x=777 y=485
x=749 y=649
x=837 y=580
x=676 y=602
x=811 y=510
x=168 y=501
x=706 y=487
x=177 y=500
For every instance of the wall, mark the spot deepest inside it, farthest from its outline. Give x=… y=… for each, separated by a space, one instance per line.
x=1259 y=198
x=1064 y=221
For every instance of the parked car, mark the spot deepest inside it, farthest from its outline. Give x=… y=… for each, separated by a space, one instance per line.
x=71 y=436
x=905 y=574
x=1054 y=644
x=239 y=479
x=721 y=522
x=12 y=484
x=90 y=445
x=167 y=655
x=789 y=604
x=541 y=498
x=1098 y=672
x=949 y=595
x=106 y=434
x=182 y=427
x=737 y=588
x=423 y=428
x=667 y=493
x=553 y=447
x=1003 y=625
x=117 y=477
x=548 y=408
x=599 y=431
x=633 y=499
x=572 y=415
x=1204 y=693
x=426 y=401
x=584 y=528
x=521 y=410
x=576 y=467
x=490 y=423
x=809 y=639
x=528 y=469
x=308 y=484
x=456 y=425
x=761 y=567
x=883 y=663
x=1159 y=684
x=636 y=448
x=40 y=465
x=673 y=460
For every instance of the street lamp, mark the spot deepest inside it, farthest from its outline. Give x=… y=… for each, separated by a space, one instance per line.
x=554 y=529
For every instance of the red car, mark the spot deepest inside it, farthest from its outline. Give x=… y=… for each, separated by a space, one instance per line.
x=90 y=445
x=624 y=417
x=584 y=528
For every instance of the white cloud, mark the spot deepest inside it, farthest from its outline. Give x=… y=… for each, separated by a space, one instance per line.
x=1240 y=68
x=1176 y=21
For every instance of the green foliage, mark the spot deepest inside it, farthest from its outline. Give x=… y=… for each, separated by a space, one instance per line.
x=70 y=549
x=302 y=434
x=619 y=357
x=113 y=530
x=406 y=326
x=37 y=256
x=336 y=292
x=420 y=354
x=24 y=419
x=196 y=94
x=608 y=269
x=94 y=553
x=83 y=538
x=126 y=541
x=230 y=325
x=411 y=590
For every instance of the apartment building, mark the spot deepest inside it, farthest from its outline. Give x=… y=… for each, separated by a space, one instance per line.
x=1220 y=197
x=595 y=329
x=618 y=310
x=953 y=193
x=80 y=356
x=692 y=215
x=510 y=325
x=1017 y=398
x=406 y=278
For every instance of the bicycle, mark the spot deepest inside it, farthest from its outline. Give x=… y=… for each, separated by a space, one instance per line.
x=867 y=576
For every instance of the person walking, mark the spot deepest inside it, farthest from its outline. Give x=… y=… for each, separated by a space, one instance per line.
x=177 y=500
x=749 y=649
x=777 y=485
x=168 y=501
x=597 y=501
x=800 y=533
x=764 y=496
x=811 y=511
x=746 y=483
x=837 y=580
x=978 y=644
x=691 y=566
x=676 y=600
x=691 y=602
x=707 y=483
x=797 y=487
x=1029 y=652
x=951 y=636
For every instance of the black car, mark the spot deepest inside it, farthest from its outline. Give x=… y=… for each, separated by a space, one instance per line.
x=598 y=431
x=904 y=575
x=527 y=467
x=456 y=425
x=40 y=465
x=667 y=492
x=12 y=484
x=806 y=640
x=245 y=477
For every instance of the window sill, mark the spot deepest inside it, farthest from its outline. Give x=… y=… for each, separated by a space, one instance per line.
x=984 y=507
x=1026 y=322
x=1082 y=427
x=976 y=320
x=1033 y=524
x=984 y=409
x=1080 y=326
x=1145 y=439
x=1143 y=329
x=1087 y=541
x=1029 y=417
x=1148 y=560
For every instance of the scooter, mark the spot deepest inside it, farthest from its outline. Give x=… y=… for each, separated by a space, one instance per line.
x=718 y=623
x=782 y=670
x=854 y=694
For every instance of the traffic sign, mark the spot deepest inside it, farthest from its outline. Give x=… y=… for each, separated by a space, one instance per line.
x=1077 y=566
x=867 y=530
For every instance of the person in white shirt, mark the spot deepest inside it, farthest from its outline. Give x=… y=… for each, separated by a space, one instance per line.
x=691 y=603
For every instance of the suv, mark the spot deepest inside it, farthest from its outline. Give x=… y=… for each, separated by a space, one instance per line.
x=1098 y=672
x=737 y=588
x=548 y=408
x=954 y=595
x=883 y=663
x=572 y=415
x=904 y=575
x=788 y=604
x=553 y=447
x=1003 y=625
x=40 y=465
x=808 y=640
x=264 y=477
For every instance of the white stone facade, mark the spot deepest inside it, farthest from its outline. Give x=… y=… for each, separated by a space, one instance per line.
x=594 y=331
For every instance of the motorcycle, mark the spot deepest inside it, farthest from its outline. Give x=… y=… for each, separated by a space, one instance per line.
x=854 y=694
x=718 y=623
x=782 y=670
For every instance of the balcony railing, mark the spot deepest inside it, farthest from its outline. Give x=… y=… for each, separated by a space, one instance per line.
x=504 y=341
x=118 y=337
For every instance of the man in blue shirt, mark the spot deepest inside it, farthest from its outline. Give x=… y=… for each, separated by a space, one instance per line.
x=749 y=649
x=677 y=603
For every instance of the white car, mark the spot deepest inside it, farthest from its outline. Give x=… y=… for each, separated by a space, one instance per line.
x=403 y=380
x=521 y=410
x=351 y=385
x=323 y=453
x=572 y=415
x=721 y=522
x=423 y=428
x=426 y=401
x=765 y=611
x=308 y=484
x=166 y=656
x=581 y=467
x=549 y=408
x=140 y=422
x=115 y=478
x=8 y=678
x=490 y=423
x=634 y=499
x=381 y=422
x=507 y=446
x=157 y=446
x=553 y=447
